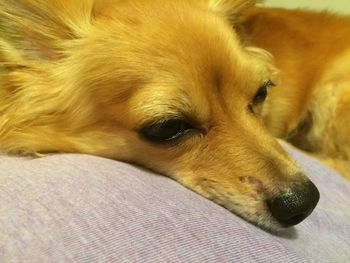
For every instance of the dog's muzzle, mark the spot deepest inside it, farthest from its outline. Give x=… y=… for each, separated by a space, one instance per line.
x=293 y=205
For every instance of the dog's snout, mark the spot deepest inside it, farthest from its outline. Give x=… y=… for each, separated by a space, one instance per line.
x=294 y=205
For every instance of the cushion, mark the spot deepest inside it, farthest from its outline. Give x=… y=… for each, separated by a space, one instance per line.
x=79 y=208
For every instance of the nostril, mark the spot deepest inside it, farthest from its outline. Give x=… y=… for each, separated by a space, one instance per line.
x=294 y=205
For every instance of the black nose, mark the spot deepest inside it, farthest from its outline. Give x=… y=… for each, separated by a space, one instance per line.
x=294 y=205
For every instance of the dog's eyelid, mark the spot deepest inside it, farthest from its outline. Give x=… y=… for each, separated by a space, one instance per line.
x=261 y=94
x=166 y=131
x=158 y=121
x=268 y=84
x=187 y=118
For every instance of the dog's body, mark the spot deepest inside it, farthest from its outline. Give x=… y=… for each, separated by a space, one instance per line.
x=311 y=106
x=164 y=84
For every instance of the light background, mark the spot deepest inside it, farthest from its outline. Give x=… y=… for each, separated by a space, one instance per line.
x=342 y=6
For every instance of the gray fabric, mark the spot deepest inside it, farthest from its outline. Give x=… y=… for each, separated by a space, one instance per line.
x=76 y=208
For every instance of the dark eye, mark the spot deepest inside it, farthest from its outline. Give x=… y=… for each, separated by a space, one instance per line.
x=166 y=131
x=261 y=95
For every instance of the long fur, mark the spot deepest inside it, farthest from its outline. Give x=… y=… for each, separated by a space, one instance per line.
x=86 y=76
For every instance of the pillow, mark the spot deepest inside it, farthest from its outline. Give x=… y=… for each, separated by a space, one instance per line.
x=78 y=208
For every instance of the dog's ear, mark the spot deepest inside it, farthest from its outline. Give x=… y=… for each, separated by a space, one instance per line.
x=232 y=8
x=37 y=29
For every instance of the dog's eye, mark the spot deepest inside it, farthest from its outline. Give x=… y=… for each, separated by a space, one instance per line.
x=261 y=95
x=166 y=131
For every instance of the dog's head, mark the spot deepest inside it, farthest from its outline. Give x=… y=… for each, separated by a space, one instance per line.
x=164 y=84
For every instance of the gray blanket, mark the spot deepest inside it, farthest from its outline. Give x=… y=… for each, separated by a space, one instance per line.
x=76 y=208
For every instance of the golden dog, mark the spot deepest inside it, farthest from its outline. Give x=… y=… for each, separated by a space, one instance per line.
x=166 y=84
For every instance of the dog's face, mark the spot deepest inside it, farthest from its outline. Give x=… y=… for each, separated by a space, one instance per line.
x=169 y=86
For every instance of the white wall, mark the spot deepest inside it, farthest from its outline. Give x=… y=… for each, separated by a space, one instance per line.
x=342 y=6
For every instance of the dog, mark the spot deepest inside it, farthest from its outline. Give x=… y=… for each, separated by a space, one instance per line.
x=165 y=84
x=311 y=107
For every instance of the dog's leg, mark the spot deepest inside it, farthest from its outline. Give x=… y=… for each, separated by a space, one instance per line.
x=340 y=165
x=330 y=107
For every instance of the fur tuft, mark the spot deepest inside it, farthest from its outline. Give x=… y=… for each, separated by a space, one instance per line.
x=38 y=98
x=38 y=27
x=232 y=8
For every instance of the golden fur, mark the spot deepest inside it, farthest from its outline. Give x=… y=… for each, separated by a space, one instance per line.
x=85 y=76
x=311 y=106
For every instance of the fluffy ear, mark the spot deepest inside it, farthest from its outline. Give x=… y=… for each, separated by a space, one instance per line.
x=37 y=28
x=232 y=8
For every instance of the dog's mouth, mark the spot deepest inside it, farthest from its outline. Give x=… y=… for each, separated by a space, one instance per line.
x=273 y=211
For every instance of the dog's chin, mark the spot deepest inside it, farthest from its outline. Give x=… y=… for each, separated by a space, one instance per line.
x=251 y=209
x=263 y=220
x=267 y=223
